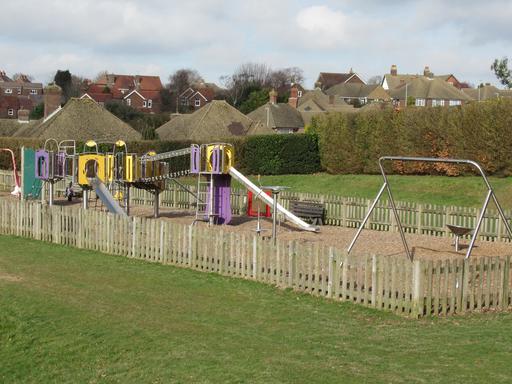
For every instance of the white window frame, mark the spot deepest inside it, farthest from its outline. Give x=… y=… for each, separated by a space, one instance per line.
x=129 y=102
x=438 y=102
x=420 y=102
x=150 y=103
x=8 y=90
x=455 y=103
x=33 y=91
x=144 y=104
x=10 y=112
x=184 y=101
x=197 y=102
x=19 y=91
x=299 y=93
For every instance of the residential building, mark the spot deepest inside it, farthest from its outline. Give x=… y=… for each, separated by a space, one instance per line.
x=487 y=92
x=217 y=120
x=428 y=92
x=316 y=102
x=198 y=95
x=327 y=80
x=361 y=94
x=18 y=94
x=394 y=80
x=141 y=92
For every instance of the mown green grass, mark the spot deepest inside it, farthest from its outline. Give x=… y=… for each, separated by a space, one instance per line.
x=466 y=191
x=83 y=317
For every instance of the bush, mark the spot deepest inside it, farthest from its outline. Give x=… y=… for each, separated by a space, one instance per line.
x=352 y=143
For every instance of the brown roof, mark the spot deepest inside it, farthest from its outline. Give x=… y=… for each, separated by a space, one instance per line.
x=354 y=90
x=487 y=92
x=81 y=119
x=275 y=116
x=216 y=120
x=426 y=88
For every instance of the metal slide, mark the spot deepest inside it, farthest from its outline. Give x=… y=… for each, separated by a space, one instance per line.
x=268 y=200
x=107 y=199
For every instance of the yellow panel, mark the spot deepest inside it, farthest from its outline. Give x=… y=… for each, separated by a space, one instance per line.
x=109 y=167
x=130 y=168
x=229 y=156
x=90 y=165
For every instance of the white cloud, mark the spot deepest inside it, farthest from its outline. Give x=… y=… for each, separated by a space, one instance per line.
x=323 y=26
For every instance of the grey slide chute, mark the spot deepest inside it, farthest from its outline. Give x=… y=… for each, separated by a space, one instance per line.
x=105 y=196
x=268 y=200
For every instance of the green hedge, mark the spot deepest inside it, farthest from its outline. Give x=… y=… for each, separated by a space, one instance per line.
x=265 y=155
x=352 y=143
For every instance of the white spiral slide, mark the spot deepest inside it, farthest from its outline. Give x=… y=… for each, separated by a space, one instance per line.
x=268 y=200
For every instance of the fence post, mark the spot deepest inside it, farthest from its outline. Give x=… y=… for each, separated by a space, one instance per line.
x=505 y=288
x=417 y=292
x=331 y=270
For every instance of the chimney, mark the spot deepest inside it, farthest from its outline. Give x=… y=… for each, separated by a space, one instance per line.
x=293 y=100
x=394 y=70
x=23 y=115
x=52 y=99
x=426 y=71
x=273 y=96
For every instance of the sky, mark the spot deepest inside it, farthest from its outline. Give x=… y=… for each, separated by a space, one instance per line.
x=158 y=37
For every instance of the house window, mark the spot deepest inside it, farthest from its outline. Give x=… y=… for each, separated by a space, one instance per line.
x=299 y=93
x=8 y=90
x=183 y=101
x=33 y=91
x=144 y=104
x=438 y=103
x=128 y=102
x=454 y=102
x=10 y=112
x=150 y=103
x=197 y=102
x=19 y=91
x=420 y=102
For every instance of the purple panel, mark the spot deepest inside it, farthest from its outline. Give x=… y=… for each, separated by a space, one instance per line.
x=195 y=159
x=60 y=165
x=221 y=198
x=42 y=160
x=216 y=160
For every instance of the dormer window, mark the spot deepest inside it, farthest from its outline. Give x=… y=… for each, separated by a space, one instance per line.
x=197 y=102
x=8 y=90
x=33 y=91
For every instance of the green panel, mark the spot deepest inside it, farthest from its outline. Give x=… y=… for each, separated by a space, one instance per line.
x=31 y=185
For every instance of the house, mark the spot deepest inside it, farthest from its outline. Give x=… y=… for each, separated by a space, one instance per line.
x=199 y=95
x=361 y=94
x=79 y=119
x=394 y=80
x=487 y=92
x=279 y=117
x=316 y=102
x=140 y=92
x=18 y=94
x=327 y=80
x=428 y=92
x=215 y=121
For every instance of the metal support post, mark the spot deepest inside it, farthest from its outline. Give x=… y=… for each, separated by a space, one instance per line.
x=157 y=203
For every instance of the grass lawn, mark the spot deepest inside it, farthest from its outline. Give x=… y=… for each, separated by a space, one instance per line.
x=76 y=316
x=466 y=191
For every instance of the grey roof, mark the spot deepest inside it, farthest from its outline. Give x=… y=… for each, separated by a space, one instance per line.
x=352 y=90
x=216 y=120
x=426 y=88
x=325 y=102
x=487 y=92
x=15 y=84
x=81 y=119
x=280 y=115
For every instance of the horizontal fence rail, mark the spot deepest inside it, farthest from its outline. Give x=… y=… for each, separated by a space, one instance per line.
x=423 y=219
x=419 y=288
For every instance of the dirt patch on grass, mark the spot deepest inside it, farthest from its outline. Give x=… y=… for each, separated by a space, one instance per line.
x=7 y=277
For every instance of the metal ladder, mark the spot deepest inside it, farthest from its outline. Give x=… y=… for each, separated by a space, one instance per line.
x=203 y=197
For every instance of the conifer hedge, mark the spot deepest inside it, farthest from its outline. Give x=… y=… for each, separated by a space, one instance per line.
x=352 y=143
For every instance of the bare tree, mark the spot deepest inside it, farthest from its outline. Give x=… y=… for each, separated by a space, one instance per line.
x=377 y=79
x=101 y=75
x=182 y=79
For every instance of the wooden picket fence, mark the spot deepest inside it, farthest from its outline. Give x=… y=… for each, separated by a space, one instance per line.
x=419 y=288
x=424 y=219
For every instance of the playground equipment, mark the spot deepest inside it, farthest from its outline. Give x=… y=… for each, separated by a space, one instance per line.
x=385 y=186
x=50 y=165
x=111 y=174
x=15 y=176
